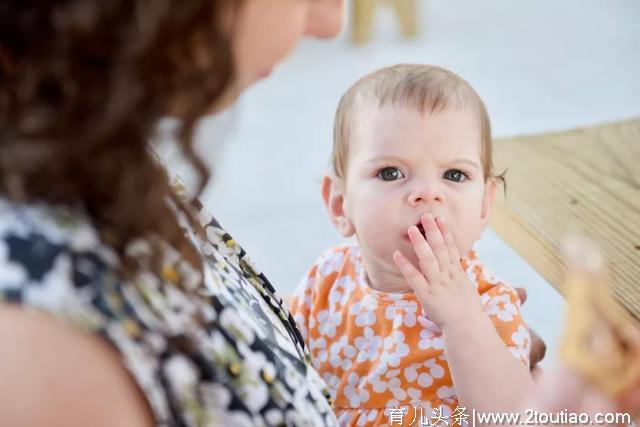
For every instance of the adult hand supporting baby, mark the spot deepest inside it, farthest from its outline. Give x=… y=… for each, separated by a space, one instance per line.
x=538 y=346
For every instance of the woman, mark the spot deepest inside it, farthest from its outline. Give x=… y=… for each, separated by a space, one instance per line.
x=125 y=303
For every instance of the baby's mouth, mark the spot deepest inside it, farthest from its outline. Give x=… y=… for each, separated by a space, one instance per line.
x=420 y=229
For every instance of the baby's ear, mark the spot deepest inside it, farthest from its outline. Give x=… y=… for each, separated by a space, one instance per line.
x=333 y=194
x=487 y=199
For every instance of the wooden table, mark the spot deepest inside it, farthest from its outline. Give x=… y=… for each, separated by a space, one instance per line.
x=584 y=181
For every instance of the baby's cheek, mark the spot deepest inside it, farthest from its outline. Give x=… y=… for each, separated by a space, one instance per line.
x=466 y=230
x=471 y=233
x=369 y=228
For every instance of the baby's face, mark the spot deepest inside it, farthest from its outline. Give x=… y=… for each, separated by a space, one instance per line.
x=403 y=164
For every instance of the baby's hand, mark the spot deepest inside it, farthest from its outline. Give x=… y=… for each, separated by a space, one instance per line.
x=442 y=287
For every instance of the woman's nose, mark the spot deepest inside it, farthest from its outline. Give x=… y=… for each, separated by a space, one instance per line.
x=324 y=19
x=425 y=194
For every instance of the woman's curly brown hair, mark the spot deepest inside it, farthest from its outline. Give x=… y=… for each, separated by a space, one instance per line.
x=83 y=84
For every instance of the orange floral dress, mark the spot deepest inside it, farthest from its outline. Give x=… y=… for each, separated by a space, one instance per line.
x=378 y=352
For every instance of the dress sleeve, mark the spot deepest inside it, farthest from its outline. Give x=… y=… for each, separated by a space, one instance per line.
x=312 y=293
x=502 y=304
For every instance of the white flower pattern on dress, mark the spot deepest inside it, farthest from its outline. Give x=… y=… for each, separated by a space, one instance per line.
x=368 y=345
x=405 y=314
x=328 y=321
x=354 y=391
x=429 y=340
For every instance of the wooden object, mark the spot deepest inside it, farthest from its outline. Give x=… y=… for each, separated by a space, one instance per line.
x=581 y=182
x=602 y=340
x=364 y=11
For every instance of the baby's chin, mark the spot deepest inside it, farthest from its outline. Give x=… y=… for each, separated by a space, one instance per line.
x=392 y=283
x=412 y=257
x=382 y=274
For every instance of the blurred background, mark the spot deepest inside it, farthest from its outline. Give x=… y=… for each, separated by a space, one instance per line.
x=539 y=65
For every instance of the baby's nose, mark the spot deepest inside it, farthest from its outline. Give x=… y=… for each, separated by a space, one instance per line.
x=425 y=194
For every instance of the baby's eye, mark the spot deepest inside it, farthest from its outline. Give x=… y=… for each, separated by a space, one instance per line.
x=455 y=175
x=390 y=174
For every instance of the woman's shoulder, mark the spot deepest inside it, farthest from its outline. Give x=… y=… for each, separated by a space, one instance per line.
x=53 y=264
x=49 y=258
x=58 y=385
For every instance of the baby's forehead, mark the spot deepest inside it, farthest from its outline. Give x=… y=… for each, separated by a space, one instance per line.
x=400 y=128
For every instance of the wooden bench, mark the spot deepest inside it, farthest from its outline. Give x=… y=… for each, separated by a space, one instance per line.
x=585 y=182
x=363 y=13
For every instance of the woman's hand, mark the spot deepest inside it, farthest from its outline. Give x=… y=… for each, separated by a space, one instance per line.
x=538 y=347
x=442 y=287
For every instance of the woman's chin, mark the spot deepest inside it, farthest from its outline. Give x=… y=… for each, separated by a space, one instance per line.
x=264 y=73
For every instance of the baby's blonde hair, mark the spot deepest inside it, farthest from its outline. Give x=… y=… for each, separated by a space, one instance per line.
x=427 y=88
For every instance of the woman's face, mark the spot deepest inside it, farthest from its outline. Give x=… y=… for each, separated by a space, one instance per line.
x=266 y=31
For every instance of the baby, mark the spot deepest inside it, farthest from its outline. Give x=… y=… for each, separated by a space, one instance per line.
x=406 y=322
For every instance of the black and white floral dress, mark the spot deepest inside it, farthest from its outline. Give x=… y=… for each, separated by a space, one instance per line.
x=227 y=354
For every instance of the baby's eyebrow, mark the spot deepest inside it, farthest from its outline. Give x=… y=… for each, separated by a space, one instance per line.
x=467 y=161
x=379 y=159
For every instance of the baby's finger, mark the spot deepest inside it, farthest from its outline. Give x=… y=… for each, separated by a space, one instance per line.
x=414 y=278
x=449 y=241
x=436 y=241
x=426 y=259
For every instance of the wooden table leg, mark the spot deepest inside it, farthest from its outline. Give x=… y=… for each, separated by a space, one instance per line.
x=363 y=12
x=407 y=11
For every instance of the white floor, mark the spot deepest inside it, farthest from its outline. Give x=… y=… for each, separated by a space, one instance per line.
x=539 y=65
